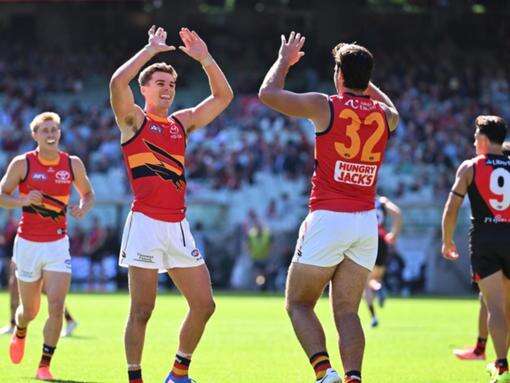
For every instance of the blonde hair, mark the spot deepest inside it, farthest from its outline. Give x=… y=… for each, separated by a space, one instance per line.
x=42 y=117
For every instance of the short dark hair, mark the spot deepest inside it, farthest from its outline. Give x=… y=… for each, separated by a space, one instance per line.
x=146 y=75
x=493 y=127
x=356 y=63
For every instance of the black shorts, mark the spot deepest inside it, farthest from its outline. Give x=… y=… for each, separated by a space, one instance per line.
x=382 y=252
x=490 y=252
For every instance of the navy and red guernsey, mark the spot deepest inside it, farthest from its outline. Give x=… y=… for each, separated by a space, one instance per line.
x=489 y=193
x=46 y=222
x=348 y=155
x=154 y=158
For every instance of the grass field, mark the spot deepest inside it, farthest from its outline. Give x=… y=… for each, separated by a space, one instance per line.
x=250 y=340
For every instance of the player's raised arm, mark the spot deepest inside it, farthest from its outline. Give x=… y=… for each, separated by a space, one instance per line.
x=272 y=93
x=15 y=173
x=221 y=92
x=391 y=111
x=129 y=116
x=83 y=186
x=463 y=178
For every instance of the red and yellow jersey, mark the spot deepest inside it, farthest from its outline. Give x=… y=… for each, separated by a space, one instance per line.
x=489 y=192
x=348 y=155
x=46 y=222
x=154 y=158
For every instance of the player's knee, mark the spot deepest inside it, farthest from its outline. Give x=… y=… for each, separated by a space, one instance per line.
x=204 y=309
x=344 y=308
x=296 y=307
x=56 y=307
x=142 y=313
x=29 y=313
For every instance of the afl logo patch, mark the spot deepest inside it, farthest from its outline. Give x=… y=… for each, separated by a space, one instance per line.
x=195 y=253
x=63 y=176
x=39 y=177
x=156 y=129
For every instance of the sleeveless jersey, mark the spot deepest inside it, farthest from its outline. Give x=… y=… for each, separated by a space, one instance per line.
x=380 y=209
x=348 y=155
x=489 y=193
x=154 y=158
x=46 y=222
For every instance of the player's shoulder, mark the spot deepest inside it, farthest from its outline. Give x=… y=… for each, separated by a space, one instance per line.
x=20 y=159
x=466 y=167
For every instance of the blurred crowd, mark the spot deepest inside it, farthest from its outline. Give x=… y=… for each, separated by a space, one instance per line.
x=438 y=90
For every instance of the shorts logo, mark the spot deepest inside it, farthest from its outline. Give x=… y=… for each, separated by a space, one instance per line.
x=144 y=258
x=67 y=262
x=25 y=274
x=156 y=129
x=39 y=177
x=196 y=254
x=63 y=177
x=123 y=254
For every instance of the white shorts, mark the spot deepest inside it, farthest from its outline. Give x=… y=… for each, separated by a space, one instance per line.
x=31 y=258
x=326 y=237
x=153 y=244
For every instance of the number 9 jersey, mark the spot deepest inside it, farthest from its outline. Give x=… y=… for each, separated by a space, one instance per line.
x=348 y=155
x=489 y=193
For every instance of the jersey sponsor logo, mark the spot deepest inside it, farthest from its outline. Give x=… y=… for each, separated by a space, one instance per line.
x=359 y=104
x=355 y=174
x=156 y=129
x=175 y=132
x=63 y=177
x=39 y=177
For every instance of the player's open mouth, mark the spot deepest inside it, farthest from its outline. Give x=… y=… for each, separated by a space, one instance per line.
x=51 y=141
x=165 y=97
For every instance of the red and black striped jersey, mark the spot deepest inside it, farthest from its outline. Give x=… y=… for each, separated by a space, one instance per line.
x=46 y=222
x=154 y=159
x=489 y=192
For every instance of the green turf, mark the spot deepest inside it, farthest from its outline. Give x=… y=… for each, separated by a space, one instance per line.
x=250 y=340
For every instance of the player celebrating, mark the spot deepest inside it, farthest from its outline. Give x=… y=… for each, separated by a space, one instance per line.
x=384 y=207
x=486 y=180
x=41 y=248
x=157 y=235
x=338 y=239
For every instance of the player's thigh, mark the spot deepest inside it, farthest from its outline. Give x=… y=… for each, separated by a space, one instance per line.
x=143 y=286
x=56 y=285
x=492 y=289
x=194 y=283
x=306 y=283
x=30 y=294
x=347 y=285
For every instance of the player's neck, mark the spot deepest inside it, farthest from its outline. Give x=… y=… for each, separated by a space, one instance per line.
x=356 y=92
x=155 y=111
x=48 y=156
x=497 y=151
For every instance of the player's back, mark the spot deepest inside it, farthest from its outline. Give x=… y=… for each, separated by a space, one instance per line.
x=489 y=193
x=348 y=155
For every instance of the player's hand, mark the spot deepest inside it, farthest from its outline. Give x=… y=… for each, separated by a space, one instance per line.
x=157 y=41
x=450 y=252
x=77 y=212
x=34 y=197
x=194 y=46
x=290 y=50
x=390 y=238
